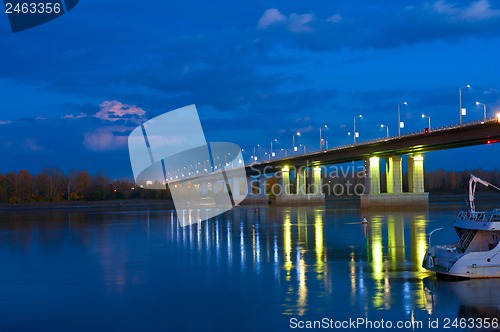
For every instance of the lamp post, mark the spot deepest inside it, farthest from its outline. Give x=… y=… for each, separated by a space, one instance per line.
x=428 y=118
x=294 y=148
x=386 y=129
x=462 y=110
x=272 y=153
x=254 y=153
x=399 y=117
x=321 y=138
x=484 y=110
x=355 y=132
x=285 y=152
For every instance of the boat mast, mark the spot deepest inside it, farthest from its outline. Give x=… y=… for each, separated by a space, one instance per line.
x=472 y=189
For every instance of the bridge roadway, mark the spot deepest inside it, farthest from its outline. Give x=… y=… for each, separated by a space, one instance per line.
x=440 y=139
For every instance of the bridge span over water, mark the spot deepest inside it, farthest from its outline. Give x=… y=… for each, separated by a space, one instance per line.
x=414 y=145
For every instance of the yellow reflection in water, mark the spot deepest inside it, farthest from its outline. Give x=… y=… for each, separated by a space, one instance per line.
x=287 y=234
x=379 y=298
x=302 y=300
x=318 y=240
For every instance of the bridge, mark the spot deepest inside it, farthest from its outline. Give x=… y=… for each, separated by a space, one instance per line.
x=392 y=149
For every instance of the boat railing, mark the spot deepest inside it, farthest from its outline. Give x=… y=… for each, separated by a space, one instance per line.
x=480 y=216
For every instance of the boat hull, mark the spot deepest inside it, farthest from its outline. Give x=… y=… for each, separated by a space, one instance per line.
x=473 y=265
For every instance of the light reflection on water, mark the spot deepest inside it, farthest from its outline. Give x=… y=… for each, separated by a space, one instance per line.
x=276 y=263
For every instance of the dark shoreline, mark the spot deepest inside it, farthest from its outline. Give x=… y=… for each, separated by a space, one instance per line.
x=168 y=204
x=121 y=203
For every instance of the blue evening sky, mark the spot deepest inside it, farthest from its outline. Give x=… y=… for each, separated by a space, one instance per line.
x=74 y=88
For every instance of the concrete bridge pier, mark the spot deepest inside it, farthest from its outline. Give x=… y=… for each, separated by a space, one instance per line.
x=282 y=194
x=394 y=198
x=301 y=187
x=394 y=175
x=256 y=188
x=372 y=175
x=301 y=195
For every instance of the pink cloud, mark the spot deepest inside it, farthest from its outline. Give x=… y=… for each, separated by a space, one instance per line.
x=113 y=110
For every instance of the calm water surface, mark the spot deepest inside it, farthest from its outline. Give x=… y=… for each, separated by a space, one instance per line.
x=251 y=269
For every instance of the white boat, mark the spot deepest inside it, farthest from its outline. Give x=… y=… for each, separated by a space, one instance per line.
x=477 y=252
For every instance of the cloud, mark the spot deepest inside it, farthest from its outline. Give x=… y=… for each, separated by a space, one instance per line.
x=4 y=122
x=300 y=23
x=389 y=26
x=271 y=16
x=31 y=145
x=295 y=22
x=476 y=11
x=337 y=18
x=72 y=116
x=113 y=110
x=106 y=139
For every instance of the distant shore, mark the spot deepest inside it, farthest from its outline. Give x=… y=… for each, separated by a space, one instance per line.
x=126 y=203
x=168 y=204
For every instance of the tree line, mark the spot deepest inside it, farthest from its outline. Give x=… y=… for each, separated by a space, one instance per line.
x=53 y=185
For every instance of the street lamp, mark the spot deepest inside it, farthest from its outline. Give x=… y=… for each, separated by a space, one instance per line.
x=304 y=147
x=285 y=152
x=463 y=111
x=272 y=153
x=320 y=138
x=484 y=110
x=400 y=124
x=386 y=129
x=428 y=118
x=294 y=148
x=356 y=134
x=254 y=153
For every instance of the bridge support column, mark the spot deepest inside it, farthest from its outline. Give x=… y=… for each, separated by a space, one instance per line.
x=301 y=181
x=372 y=177
x=256 y=192
x=316 y=188
x=395 y=199
x=262 y=185
x=416 y=174
x=285 y=180
x=250 y=185
x=302 y=197
x=394 y=175
x=235 y=186
x=203 y=188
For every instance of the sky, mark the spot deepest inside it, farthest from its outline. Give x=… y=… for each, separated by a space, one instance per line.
x=74 y=88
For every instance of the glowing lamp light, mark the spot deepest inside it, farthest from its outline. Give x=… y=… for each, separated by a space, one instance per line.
x=498 y=117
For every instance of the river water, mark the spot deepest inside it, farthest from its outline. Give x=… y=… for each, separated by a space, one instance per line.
x=251 y=269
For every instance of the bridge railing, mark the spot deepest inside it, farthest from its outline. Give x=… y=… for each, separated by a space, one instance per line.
x=377 y=140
